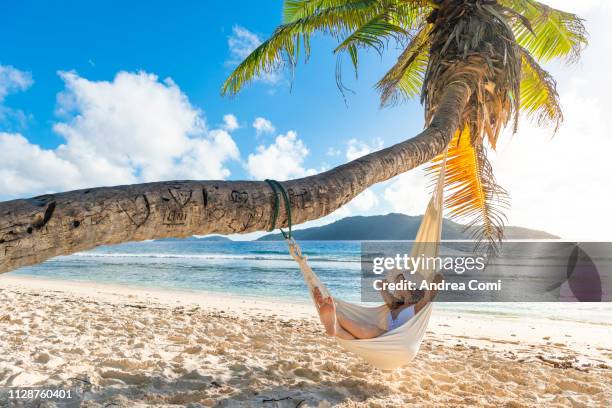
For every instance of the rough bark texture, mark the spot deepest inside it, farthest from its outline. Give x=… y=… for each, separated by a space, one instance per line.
x=36 y=229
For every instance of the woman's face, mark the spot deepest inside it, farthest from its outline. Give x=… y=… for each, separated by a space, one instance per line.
x=408 y=296
x=404 y=294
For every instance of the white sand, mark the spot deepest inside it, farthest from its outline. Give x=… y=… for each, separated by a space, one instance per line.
x=129 y=347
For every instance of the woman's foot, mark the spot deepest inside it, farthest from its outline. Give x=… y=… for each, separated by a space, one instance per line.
x=327 y=311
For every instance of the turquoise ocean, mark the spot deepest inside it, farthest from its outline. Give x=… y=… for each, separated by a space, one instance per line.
x=260 y=269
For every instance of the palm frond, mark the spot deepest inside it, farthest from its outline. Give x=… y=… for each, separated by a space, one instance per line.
x=551 y=33
x=473 y=197
x=372 y=34
x=375 y=34
x=406 y=11
x=294 y=10
x=394 y=24
x=405 y=78
x=539 y=97
x=285 y=43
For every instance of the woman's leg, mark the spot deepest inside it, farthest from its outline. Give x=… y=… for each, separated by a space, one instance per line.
x=327 y=311
x=343 y=334
x=356 y=329
x=336 y=324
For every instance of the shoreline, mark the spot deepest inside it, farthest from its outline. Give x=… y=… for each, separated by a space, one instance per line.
x=117 y=293
x=587 y=337
x=136 y=346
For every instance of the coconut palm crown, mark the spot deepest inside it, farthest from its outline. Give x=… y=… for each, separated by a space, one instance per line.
x=492 y=47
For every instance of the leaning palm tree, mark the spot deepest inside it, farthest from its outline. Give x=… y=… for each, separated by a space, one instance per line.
x=475 y=63
x=476 y=59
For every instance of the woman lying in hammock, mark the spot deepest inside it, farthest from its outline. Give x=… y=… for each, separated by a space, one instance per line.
x=403 y=305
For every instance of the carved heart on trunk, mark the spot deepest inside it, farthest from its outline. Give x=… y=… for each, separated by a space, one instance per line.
x=137 y=209
x=182 y=197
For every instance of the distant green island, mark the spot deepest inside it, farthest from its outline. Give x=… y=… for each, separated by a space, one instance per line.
x=393 y=227
x=390 y=227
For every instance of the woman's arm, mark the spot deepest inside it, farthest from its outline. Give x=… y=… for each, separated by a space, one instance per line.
x=428 y=296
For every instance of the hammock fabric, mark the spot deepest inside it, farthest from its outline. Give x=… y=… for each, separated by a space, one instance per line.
x=397 y=347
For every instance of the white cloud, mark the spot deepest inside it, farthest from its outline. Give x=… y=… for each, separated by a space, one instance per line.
x=263 y=125
x=230 y=122
x=365 y=201
x=409 y=193
x=241 y=43
x=331 y=151
x=357 y=148
x=13 y=80
x=562 y=184
x=132 y=129
x=26 y=168
x=281 y=160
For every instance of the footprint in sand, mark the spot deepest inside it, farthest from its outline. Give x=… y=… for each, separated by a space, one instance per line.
x=127 y=364
x=42 y=358
x=178 y=339
x=126 y=378
x=307 y=373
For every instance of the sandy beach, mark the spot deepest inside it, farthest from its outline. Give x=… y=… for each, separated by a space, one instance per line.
x=129 y=347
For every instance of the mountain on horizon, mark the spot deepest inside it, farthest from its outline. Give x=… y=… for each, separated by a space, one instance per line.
x=392 y=227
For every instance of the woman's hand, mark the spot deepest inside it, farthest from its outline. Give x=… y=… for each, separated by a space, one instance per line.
x=295 y=250
x=431 y=294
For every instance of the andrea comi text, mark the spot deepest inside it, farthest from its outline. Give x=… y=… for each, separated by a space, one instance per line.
x=444 y=285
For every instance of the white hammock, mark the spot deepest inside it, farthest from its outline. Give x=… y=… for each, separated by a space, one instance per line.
x=397 y=347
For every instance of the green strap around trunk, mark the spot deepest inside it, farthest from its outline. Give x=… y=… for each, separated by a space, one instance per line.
x=277 y=187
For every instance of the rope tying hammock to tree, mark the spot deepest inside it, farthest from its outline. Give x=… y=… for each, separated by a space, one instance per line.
x=278 y=188
x=394 y=348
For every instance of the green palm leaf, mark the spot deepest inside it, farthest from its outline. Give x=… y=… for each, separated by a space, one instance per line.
x=551 y=33
x=539 y=97
x=285 y=43
x=294 y=10
x=375 y=34
x=406 y=11
x=356 y=23
x=393 y=24
x=405 y=78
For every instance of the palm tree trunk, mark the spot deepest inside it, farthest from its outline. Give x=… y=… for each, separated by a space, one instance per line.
x=34 y=230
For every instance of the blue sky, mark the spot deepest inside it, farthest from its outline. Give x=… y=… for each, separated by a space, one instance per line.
x=188 y=42
x=120 y=92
